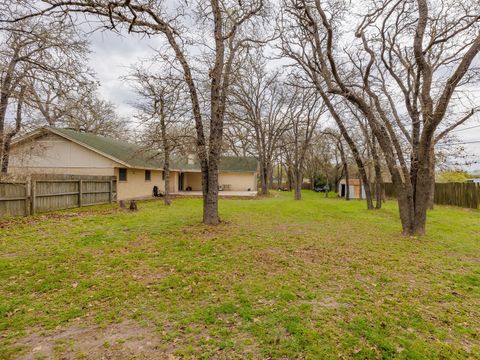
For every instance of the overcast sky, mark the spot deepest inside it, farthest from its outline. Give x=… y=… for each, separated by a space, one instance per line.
x=113 y=55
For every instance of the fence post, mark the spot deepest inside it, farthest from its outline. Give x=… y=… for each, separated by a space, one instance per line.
x=33 y=190
x=28 y=197
x=80 y=192
x=110 y=194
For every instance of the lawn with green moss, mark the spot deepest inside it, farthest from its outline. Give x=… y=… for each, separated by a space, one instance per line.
x=317 y=278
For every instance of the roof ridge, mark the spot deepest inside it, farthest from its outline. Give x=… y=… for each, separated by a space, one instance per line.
x=135 y=156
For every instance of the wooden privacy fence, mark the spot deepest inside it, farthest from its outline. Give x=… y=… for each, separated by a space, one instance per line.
x=465 y=195
x=52 y=193
x=457 y=194
x=14 y=199
x=389 y=190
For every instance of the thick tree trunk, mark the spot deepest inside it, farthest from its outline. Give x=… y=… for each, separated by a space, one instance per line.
x=280 y=176
x=6 y=154
x=298 y=185
x=406 y=209
x=368 y=193
x=413 y=205
x=5 y=93
x=347 y=185
x=378 y=176
x=270 y=176
x=210 y=197
x=263 y=178
x=290 y=179
x=378 y=191
x=7 y=140
x=431 y=198
x=422 y=187
x=412 y=225
x=166 y=151
x=166 y=173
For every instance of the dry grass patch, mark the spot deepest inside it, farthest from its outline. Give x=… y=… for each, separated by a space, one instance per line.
x=125 y=340
x=277 y=279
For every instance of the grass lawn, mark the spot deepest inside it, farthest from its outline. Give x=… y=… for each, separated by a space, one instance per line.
x=319 y=278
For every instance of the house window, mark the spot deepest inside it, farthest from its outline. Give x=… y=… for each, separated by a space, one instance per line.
x=163 y=175
x=122 y=174
x=148 y=175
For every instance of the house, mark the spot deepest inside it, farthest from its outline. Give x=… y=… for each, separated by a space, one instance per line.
x=64 y=151
x=355 y=186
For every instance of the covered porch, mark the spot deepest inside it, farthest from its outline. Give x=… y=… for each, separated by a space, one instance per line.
x=248 y=194
x=230 y=183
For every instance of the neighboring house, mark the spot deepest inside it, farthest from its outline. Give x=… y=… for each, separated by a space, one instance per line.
x=64 y=151
x=356 y=189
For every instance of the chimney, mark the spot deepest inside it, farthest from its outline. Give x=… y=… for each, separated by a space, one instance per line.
x=191 y=159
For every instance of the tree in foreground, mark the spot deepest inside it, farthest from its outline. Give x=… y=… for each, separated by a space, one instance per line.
x=408 y=50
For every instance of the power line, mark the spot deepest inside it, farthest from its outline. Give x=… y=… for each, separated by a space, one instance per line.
x=471 y=127
x=461 y=143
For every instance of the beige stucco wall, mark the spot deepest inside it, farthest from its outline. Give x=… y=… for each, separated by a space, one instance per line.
x=238 y=181
x=54 y=154
x=137 y=188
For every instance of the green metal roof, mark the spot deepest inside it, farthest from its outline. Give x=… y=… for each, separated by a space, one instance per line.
x=227 y=163
x=134 y=156
x=234 y=163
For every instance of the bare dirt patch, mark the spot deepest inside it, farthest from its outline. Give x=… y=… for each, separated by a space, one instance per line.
x=125 y=340
x=272 y=260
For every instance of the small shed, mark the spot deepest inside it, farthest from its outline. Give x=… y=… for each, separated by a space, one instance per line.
x=355 y=186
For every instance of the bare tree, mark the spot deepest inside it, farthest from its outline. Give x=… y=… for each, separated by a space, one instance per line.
x=424 y=56
x=32 y=50
x=163 y=110
x=94 y=115
x=303 y=112
x=8 y=135
x=258 y=102
x=299 y=53
x=237 y=138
